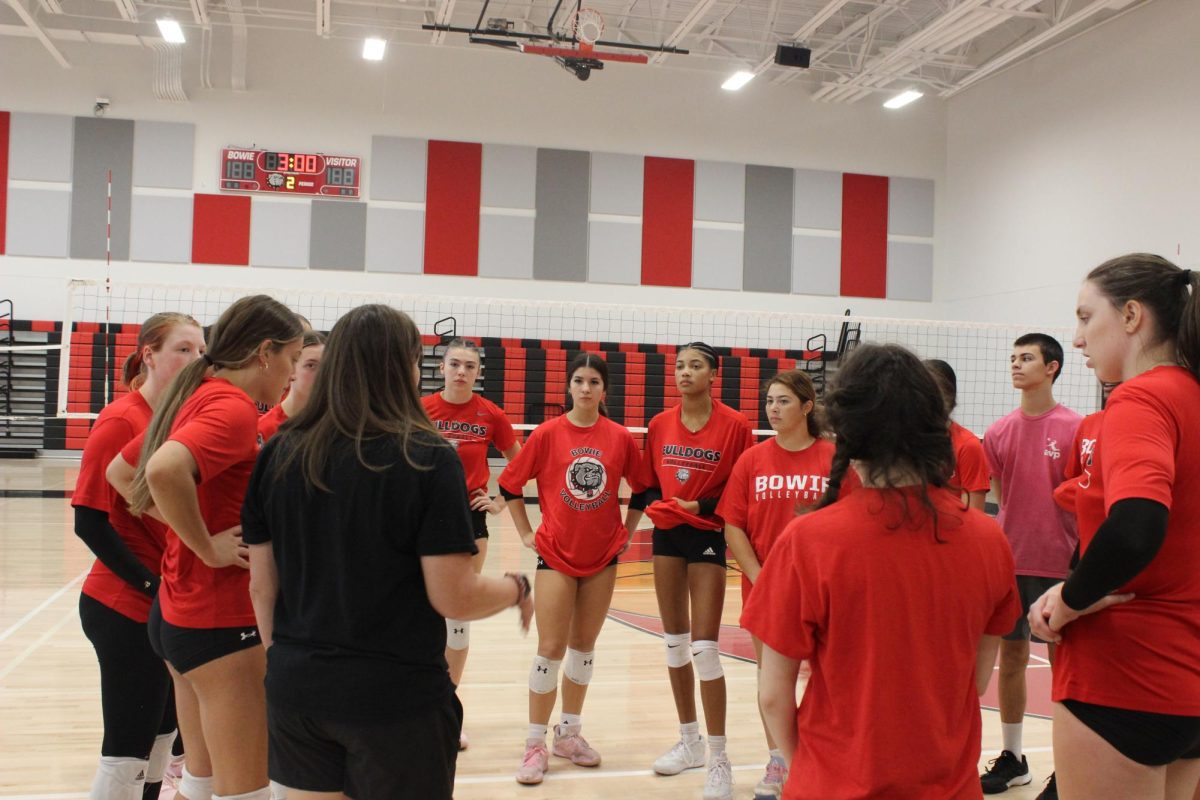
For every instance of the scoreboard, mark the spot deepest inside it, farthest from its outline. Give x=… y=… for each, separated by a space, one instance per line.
x=290 y=173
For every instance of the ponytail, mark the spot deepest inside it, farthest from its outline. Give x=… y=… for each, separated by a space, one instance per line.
x=1189 y=324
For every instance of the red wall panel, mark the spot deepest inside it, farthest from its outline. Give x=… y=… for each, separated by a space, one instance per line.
x=4 y=119
x=667 y=198
x=221 y=229
x=864 y=235
x=452 y=197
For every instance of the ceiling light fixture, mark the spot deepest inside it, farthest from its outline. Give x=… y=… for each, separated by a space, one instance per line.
x=903 y=99
x=737 y=80
x=374 y=48
x=171 y=31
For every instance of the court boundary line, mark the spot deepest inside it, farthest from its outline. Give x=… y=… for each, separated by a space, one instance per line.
x=16 y=626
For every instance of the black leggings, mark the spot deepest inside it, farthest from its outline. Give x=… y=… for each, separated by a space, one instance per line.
x=135 y=687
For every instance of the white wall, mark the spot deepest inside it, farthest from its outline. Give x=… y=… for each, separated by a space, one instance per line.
x=1087 y=152
x=311 y=94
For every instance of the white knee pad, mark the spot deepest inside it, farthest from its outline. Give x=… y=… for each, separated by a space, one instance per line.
x=258 y=794
x=119 y=779
x=543 y=675
x=458 y=634
x=578 y=666
x=708 y=660
x=278 y=791
x=679 y=649
x=194 y=788
x=160 y=754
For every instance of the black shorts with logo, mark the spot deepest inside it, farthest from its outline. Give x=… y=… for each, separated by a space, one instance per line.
x=188 y=648
x=694 y=545
x=479 y=524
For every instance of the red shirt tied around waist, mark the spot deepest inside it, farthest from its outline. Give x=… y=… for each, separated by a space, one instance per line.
x=692 y=465
x=120 y=422
x=1143 y=655
x=470 y=427
x=851 y=588
x=218 y=425
x=578 y=472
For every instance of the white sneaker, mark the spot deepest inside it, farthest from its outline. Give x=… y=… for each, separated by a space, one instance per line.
x=719 y=783
x=683 y=755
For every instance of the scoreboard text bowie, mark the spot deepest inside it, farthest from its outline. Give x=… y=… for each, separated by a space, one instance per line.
x=289 y=173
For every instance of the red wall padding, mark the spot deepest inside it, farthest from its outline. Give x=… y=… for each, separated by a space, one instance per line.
x=864 y=235
x=667 y=198
x=452 y=197
x=221 y=229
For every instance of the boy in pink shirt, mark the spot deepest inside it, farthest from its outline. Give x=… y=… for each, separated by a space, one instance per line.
x=1027 y=451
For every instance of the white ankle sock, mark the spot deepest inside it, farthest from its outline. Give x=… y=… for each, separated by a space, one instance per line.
x=775 y=755
x=690 y=732
x=1011 y=731
x=716 y=746
x=537 y=731
x=571 y=723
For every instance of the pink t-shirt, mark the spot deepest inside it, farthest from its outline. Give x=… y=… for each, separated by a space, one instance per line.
x=1029 y=455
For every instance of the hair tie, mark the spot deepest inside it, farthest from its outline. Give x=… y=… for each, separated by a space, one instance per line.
x=1187 y=277
x=208 y=360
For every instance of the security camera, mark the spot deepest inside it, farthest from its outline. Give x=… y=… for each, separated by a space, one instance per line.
x=102 y=104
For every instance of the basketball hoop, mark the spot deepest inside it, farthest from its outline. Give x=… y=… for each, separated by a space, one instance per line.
x=588 y=25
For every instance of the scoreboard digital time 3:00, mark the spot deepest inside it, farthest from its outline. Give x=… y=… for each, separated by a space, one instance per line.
x=289 y=173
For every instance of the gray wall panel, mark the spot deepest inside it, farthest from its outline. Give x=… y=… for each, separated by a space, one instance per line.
x=280 y=233
x=339 y=235
x=817 y=265
x=720 y=192
x=560 y=244
x=617 y=184
x=909 y=271
x=39 y=222
x=398 y=168
x=717 y=259
x=767 y=263
x=40 y=147
x=505 y=246
x=161 y=229
x=100 y=146
x=395 y=240
x=509 y=176
x=910 y=207
x=818 y=200
x=615 y=252
x=163 y=153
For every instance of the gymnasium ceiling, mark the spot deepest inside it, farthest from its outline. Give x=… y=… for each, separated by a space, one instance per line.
x=860 y=48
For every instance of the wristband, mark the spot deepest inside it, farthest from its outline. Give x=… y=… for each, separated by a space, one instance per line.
x=523 y=587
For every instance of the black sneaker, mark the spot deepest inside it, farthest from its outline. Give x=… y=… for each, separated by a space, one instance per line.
x=1005 y=771
x=1051 y=790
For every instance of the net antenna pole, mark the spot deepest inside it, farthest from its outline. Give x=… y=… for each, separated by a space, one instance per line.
x=109 y=344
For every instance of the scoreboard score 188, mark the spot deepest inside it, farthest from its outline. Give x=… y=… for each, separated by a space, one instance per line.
x=245 y=170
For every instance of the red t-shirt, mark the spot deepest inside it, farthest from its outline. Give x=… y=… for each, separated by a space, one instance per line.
x=121 y=421
x=218 y=425
x=970 y=464
x=470 y=427
x=1143 y=655
x=692 y=466
x=578 y=472
x=890 y=619
x=1082 y=465
x=268 y=424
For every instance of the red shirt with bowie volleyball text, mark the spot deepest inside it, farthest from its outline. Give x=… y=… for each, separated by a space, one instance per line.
x=268 y=424
x=218 y=425
x=120 y=422
x=578 y=472
x=692 y=465
x=1143 y=655
x=970 y=463
x=769 y=486
x=470 y=427
x=850 y=588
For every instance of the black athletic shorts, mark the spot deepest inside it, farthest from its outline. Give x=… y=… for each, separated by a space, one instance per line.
x=693 y=544
x=543 y=565
x=188 y=648
x=1030 y=588
x=479 y=524
x=1153 y=740
x=412 y=757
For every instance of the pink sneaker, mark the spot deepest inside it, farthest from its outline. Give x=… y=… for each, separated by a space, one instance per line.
x=173 y=774
x=534 y=764
x=574 y=747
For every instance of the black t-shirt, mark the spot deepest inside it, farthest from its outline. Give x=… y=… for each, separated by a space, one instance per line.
x=355 y=638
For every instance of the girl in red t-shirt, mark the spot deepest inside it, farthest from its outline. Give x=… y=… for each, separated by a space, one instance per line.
x=471 y=423
x=690 y=451
x=971 y=475
x=769 y=485
x=1126 y=683
x=192 y=470
x=135 y=688
x=312 y=349
x=578 y=461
